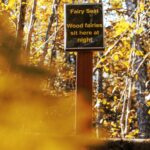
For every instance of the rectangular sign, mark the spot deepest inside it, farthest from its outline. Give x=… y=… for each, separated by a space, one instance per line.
x=84 y=27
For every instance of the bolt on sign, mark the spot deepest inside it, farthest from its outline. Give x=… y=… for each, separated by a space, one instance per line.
x=84 y=27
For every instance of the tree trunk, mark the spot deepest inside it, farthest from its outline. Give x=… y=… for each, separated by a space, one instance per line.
x=131 y=5
x=5 y=2
x=140 y=80
x=31 y=26
x=142 y=110
x=51 y=20
x=21 y=22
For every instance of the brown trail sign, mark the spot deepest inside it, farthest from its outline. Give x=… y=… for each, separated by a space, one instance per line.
x=84 y=34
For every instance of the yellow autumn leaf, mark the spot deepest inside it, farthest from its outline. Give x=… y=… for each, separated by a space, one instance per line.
x=130 y=136
x=139 y=53
x=114 y=109
x=103 y=59
x=70 y=53
x=133 y=25
x=106 y=69
x=149 y=112
x=141 y=7
x=116 y=3
x=136 y=131
x=136 y=76
x=113 y=124
x=140 y=30
x=11 y=4
x=121 y=53
x=104 y=101
x=114 y=134
x=105 y=123
x=98 y=66
x=126 y=64
x=116 y=57
x=130 y=120
x=115 y=98
x=23 y=3
x=148 y=102
x=121 y=27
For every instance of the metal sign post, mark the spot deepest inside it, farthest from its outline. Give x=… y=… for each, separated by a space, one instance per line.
x=84 y=34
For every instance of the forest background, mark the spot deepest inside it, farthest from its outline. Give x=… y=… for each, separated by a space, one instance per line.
x=33 y=63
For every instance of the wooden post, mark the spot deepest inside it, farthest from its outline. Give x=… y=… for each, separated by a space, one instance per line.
x=84 y=92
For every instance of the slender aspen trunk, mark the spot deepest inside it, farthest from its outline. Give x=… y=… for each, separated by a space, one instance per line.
x=31 y=27
x=140 y=77
x=21 y=22
x=51 y=21
x=5 y=2
x=142 y=110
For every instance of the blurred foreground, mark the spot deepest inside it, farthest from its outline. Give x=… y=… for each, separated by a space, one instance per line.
x=29 y=118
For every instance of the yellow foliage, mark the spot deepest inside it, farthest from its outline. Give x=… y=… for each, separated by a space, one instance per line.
x=105 y=123
x=139 y=53
x=142 y=7
x=116 y=3
x=115 y=98
x=140 y=30
x=11 y=4
x=126 y=63
x=116 y=57
x=103 y=59
x=121 y=27
x=133 y=25
x=136 y=76
x=113 y=124
x=132 y=134
x=104 y=101
x=114 y=134
x=148 y=102
x=106 y=69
